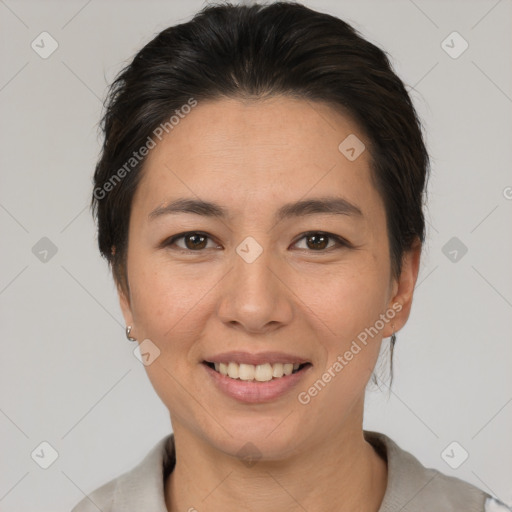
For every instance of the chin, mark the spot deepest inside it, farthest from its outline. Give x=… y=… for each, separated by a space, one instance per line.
x=257 y=438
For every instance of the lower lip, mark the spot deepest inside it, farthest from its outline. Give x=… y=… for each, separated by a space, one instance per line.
x=255 y=392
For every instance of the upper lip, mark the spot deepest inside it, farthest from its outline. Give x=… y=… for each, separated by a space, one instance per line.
x=255 y=359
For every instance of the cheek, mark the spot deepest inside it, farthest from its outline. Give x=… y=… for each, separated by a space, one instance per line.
x=356 y=298
x=172 y=301
x=351 y=346
x=167 y=300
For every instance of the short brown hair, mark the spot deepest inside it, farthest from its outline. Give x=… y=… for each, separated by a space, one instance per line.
x=258 y=51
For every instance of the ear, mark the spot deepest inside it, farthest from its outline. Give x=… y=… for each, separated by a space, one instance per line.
x=124 y=301
x=403 y=289
x=123 y=290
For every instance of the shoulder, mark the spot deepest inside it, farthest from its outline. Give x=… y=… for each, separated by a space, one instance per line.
x=493 y=505
x=140 y=488
x=413 y=488
x=101 y=499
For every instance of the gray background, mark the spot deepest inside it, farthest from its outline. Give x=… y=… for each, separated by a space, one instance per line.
x=68 y=375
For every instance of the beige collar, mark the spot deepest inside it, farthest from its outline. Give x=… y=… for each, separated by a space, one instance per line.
x=411 y=487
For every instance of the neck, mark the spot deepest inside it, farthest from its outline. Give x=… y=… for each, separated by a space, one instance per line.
x=341 y=474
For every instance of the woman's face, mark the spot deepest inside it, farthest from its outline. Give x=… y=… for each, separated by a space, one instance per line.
x=262 y=284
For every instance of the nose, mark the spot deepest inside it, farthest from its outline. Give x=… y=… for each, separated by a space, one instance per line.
x=255 y=297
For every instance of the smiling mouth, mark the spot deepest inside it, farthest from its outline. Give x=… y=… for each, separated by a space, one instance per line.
x=256 y=373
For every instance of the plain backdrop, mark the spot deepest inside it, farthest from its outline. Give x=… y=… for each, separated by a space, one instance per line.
x=68 y=376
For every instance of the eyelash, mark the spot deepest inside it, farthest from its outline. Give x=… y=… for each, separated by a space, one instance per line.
x=341 y=242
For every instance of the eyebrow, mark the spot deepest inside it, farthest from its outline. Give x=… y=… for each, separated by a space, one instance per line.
x=322 y=205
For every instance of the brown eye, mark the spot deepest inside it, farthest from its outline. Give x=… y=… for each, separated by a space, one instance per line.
x=318 y=241
x=193 y=241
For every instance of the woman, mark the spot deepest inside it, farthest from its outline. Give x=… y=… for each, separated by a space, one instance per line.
x=259 y=198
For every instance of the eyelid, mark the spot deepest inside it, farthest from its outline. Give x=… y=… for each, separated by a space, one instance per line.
x=172 y=240
x=340 y=241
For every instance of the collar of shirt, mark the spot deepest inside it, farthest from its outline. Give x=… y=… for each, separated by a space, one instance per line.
x=410 y=487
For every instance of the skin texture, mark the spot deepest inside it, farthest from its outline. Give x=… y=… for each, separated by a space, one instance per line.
x=252 y=157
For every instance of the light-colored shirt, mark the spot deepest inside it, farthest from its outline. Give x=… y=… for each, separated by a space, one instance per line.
x=411 y=487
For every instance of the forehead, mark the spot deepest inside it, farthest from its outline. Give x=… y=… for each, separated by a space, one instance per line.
x=278 y=150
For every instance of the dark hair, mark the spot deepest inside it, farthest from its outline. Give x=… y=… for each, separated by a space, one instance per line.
x=254 y=52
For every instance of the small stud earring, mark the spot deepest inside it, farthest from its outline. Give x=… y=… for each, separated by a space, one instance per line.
x=128 y=331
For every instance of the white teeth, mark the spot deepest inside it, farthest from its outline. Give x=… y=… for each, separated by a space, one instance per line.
x=261 y=372
x=277 y=370
x=246 y=371
x=233 y=370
